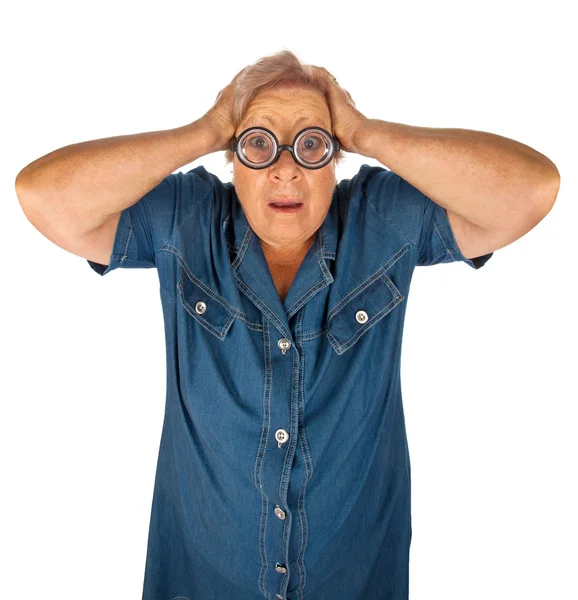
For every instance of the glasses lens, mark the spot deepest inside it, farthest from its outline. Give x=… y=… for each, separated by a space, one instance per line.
x=312 y=147
x=257 y=147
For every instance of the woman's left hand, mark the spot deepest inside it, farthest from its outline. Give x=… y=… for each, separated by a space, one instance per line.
x=348 y=122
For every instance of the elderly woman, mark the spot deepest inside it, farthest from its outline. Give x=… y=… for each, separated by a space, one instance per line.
x=283 y=466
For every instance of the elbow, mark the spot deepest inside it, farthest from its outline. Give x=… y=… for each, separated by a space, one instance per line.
x=22 y=187
x=27 y=198
x=546 y=193
x=551 y=189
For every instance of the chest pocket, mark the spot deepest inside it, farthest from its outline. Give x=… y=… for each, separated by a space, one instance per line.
x=359 y=311
x=205 y=306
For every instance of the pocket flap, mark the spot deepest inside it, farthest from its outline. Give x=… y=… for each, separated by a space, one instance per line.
x=208 y=308
x=358 y=312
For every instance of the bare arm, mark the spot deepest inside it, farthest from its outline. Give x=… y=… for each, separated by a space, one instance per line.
x=75 y=195
x=72 y=192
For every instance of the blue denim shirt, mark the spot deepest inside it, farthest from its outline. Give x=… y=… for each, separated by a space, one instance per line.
x=283 y=468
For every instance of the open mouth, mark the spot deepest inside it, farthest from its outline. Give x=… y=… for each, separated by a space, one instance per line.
x=286 y=207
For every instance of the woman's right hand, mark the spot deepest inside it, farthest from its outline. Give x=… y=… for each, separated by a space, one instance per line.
x=220 y=116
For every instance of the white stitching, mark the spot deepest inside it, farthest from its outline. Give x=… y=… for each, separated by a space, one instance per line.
x=127 y=242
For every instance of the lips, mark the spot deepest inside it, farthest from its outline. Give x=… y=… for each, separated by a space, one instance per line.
x=286 y=201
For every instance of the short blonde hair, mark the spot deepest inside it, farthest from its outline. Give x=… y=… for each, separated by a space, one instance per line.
x=281 y=67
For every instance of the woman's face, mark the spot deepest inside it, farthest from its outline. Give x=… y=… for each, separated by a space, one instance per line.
x=281 y=110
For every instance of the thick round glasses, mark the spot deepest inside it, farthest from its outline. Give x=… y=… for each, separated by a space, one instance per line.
x=258 y=147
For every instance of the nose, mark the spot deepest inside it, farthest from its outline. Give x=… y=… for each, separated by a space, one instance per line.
x=285 y=156
x=285 y=166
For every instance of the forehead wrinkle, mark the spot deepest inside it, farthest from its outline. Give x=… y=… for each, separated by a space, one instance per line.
x=252 y=122
x=273 y=122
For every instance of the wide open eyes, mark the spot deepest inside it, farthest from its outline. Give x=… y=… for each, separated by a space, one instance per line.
x=258 y=146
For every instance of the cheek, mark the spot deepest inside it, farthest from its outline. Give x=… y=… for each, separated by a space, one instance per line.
x=324 y=186
x=248 y=186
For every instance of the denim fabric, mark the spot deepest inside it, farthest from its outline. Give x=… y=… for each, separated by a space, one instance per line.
x=283 y=467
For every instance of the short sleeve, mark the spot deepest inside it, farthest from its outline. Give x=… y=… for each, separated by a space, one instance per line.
x=147 y=225
x=437 y=242
x=420 y=220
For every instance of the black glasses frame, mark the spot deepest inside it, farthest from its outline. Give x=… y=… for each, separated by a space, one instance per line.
x=334 y=146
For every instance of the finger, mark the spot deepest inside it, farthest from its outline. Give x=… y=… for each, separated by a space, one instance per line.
x=325 y=72
x=331 y=76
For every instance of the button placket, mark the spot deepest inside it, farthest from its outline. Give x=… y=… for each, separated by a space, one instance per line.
x=282 y=436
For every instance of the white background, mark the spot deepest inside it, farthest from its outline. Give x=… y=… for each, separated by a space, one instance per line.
x=489 y=357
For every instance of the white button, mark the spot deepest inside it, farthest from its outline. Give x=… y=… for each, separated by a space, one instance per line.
x=281 y=436
x=279 y=596
x=280 y=568
x=200 y=307
x=361 y=316
x=284 y=344
x=280 y=513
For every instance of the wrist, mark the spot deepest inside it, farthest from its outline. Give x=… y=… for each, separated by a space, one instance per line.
x=216 y=135
x=210 y=137
x=364 y=137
